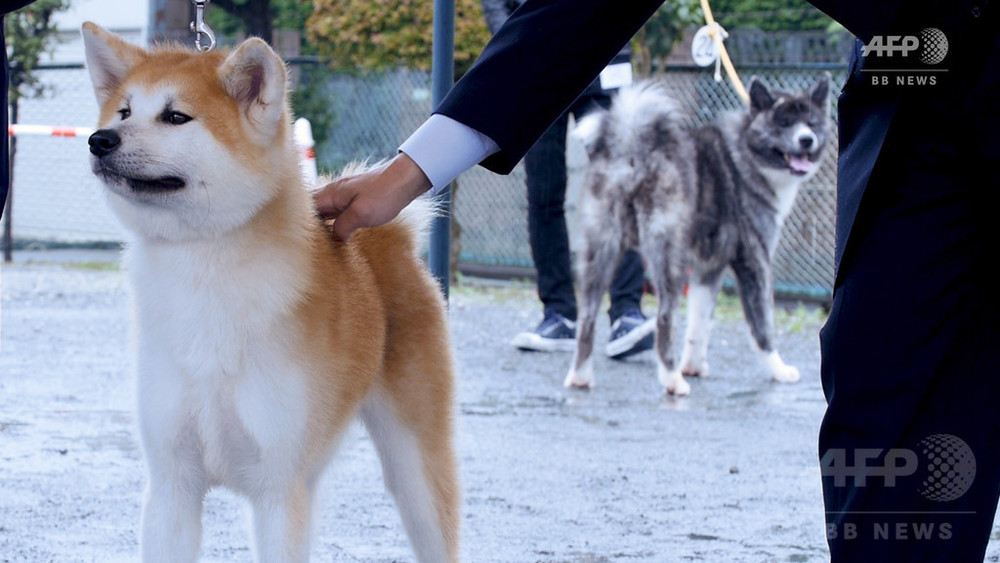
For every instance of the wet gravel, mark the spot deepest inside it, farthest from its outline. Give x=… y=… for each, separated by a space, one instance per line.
x=618 y=473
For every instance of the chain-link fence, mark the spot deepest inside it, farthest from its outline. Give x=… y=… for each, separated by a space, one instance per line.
x=57 y=200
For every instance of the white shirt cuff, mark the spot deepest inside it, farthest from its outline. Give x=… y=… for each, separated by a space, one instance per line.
x=444 y=148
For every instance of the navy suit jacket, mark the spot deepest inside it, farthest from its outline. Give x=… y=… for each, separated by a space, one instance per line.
x=524 y=79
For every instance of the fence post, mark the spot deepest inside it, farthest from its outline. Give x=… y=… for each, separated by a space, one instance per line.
x=442 y=77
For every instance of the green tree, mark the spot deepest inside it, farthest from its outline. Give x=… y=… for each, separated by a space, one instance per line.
x=770 y=15
x=258 y=17
x=30 y=34
x=663 y=30
x=365 y=35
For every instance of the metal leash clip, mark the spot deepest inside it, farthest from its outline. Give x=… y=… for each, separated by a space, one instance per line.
x=199 y=27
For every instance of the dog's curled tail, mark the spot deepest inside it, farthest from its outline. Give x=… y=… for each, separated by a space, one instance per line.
x=634 y=111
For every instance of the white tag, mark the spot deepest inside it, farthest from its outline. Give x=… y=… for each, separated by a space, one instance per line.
x=616 y=76
x=704 y=50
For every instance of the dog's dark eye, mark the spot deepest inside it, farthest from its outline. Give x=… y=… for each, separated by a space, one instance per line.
x=125 y=113
x=176 y=118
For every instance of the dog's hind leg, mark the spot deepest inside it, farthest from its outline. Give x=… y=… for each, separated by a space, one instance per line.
x=753 y=275
x=413 y=438
x=703 y=291
x=666 y=268
x=601 y=252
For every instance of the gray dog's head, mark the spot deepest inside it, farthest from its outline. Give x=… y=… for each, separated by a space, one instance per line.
x=786 y=132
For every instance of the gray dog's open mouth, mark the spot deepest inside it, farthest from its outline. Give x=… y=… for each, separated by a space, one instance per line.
x=798 y=164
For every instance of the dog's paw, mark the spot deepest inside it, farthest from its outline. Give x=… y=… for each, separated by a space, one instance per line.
x=786 y=374
x=673 y=382
x=695 y=369
x=582 y=378
x=780 y=371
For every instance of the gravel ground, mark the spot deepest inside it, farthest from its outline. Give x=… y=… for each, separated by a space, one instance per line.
x=619 y=473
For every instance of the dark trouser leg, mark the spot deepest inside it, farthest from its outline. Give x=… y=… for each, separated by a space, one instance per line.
x=626 y=286
x=545 y=167
x=910 y=355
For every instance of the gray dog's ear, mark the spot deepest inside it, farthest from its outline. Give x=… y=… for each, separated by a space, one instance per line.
x=820 y=93
x=109 y=59
x=760 y=97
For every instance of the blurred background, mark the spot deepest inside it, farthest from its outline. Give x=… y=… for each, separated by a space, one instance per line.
x=361 y=76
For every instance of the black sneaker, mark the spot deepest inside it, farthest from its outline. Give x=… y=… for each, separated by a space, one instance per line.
x=631 y=333
x=555 y=334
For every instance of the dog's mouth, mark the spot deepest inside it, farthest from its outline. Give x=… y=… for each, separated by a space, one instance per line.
x=798 y=164
x=155 y=185
x=163 y=184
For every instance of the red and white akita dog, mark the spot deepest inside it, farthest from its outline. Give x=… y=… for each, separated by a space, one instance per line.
x=258 y=335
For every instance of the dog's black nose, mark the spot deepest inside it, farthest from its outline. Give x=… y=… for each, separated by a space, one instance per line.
x=103 y=142
x=806 y=141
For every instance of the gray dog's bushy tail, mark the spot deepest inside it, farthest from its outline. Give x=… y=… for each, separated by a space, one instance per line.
x=635 y=111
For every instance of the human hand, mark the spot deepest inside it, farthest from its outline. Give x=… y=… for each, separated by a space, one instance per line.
x=373 y=197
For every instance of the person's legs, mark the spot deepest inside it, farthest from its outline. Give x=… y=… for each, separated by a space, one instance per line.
x=627 y=285
x=908 y=444
x=545 y=168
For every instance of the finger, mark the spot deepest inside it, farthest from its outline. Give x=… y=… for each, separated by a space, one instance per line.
x=347 y=222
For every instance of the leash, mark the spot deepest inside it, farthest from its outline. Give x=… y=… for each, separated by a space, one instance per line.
x=200 y=28
x=716 y=33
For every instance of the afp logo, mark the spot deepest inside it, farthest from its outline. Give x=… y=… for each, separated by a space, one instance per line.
x=942 y=469
x=931 y=46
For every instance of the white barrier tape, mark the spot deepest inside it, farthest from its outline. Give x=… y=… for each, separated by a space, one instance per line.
x=48 y=130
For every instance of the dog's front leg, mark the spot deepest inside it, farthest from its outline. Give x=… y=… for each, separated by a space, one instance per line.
x=281 y=524
x=172 y=508
x=171 y=521
x=757 y=296
x=700 y=309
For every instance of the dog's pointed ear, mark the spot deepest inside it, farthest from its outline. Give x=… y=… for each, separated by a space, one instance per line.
x=109 y=59
x=254 y=75
x=760 y=97
x=820 y=92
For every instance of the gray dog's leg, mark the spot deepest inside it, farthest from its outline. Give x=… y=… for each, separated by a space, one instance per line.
x=753 y=274
x=601 y=251
x=702 y=294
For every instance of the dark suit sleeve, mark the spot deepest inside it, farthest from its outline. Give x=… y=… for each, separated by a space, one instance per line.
x=13 y=5
x=539 y=61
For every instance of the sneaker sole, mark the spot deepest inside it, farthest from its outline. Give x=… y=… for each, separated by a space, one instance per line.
x=629 y=344
x=531 y=342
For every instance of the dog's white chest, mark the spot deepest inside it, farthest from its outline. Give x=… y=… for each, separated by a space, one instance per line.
x=786 y=188
x=226 y=351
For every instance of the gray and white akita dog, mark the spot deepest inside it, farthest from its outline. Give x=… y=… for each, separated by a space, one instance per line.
x=694 y=202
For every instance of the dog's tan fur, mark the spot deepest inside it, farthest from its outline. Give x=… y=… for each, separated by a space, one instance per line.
x=362 y=319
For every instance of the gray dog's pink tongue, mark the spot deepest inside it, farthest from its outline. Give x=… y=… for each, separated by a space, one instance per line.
x=800 y=164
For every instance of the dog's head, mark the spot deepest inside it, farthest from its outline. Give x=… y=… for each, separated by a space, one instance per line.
x=787 y=132
x=189 y=144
